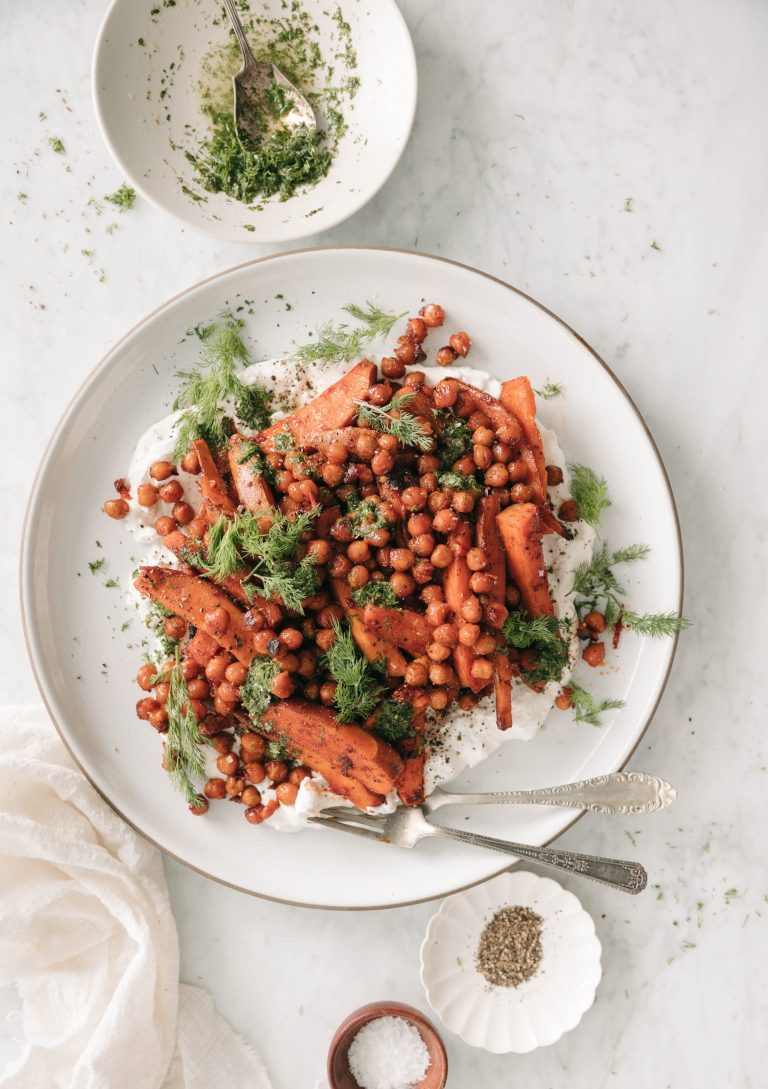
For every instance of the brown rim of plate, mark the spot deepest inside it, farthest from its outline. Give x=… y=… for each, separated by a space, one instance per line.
x=217 y=276
x=437 y=1073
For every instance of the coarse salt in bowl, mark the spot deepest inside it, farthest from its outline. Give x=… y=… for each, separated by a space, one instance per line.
x=539 y=1010
x=387 y=1026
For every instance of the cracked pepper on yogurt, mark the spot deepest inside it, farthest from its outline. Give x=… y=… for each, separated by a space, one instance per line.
x=358 y=571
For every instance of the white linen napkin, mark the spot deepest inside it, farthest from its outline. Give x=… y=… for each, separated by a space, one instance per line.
x=88 y=938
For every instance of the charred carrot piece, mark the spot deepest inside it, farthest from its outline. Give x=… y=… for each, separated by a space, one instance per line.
x=253 y=491
x=456 y=589
x=502 y=689
x=350 y=750
x=518 y=398
x=403 y=627
x=178 y=543
x=487 y=537
x=339 y=782
x=202 y=647
x=372 y=645
x=200 y=603
x=521 y=532
x=410 y=784
x=334 y=407
x=211 y=481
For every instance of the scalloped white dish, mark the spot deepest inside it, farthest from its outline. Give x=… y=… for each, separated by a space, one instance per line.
x=538 y=1011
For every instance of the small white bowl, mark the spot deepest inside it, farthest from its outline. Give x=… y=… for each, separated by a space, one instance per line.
x=147 y=67
x=540 y=1010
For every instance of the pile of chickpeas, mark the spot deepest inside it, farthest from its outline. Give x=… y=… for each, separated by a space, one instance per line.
x=410 y=551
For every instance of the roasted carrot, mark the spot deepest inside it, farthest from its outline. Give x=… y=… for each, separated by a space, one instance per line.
x=502 y=689
x=179 y=544
x=487 y=538
x=410 y=785
x=518 y=398
x=340 y=782
x=372 y=645
x=456 y=589
x=350 y=750
x=200 y=603
x=403 y=627
x=334 y=407
x=202 y=647
x=521 y=532
x=211 y=481
x=253 y=491
x=351 y=438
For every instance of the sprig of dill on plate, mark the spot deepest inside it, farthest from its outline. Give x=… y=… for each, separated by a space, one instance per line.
x=588 y=709
x=341 y=344
x=549 y=390
x=357 y=691
x=205 y=392
x=183 y=758
x=590 y=492
x=406 y=427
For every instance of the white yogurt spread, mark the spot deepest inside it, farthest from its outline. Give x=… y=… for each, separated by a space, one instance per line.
x=462 y=738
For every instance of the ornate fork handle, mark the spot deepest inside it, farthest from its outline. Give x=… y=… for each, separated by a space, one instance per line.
x=618 y=874
x=624 y=792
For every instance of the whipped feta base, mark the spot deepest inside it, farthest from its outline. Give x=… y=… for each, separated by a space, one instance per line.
x=458 y=740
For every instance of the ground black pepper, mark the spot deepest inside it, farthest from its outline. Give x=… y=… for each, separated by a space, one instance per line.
x=509 y=950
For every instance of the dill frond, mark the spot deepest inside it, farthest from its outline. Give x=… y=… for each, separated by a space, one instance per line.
x=590 y=492
x=655 y=625
x=341 y=344
x=357 y=692
x=549 y=390
x=406 y=428
x=587 y=709
x=184 y=759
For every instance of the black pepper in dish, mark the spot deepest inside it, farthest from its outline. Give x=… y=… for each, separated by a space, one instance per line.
x=509 y=951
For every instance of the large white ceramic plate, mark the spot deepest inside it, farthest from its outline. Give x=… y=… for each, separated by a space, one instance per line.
x=86 y=667
x=147 y=67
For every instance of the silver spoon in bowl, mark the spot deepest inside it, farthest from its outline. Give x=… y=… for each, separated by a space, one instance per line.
x=253 y=81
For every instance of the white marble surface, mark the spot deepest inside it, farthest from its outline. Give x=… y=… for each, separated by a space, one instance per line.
x=663 y=103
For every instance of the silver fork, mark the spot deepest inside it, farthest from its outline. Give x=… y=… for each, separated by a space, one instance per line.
x=251 y=83
x=406 y=827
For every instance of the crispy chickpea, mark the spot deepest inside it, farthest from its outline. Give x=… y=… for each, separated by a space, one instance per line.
x=116 y=508
x=441 y=673
x=283 y=685
x=250 y=796
x=145 y=707
x=427 y=463
x=222 y=743
x=565 y=699
x=472 y=610
x=199 y=689
x=448 y=635
x=336 y=453
x=190 y=463
x=389 y=443
x=171 y=492
x=417 y=329
x=481 y=583
x=235 y=673
x=495 y=614
x=497 y=476
x=445 y=356
x=486 y=644
x=312 y=691
x=298 y=775
x=227 y=692
x=464 y=502
x=438 y=699
x=277 y=770
x=174 y=627
x=380 y=394
x=196 y=528
x=437 y=613
x=405 y=350
x=365 y=444
x=147 y=495
x=468 y=700
x=216 y=669
x=190 y=669
x=307 y=664
x=432 y=593
x=161 y=692
x=418 y=524
x=429 y=483
x=358 y=552
x=402 y=584
x=266 y=641
x=283 y=480
x=332 y=474
x=461 y=343
x=482 y=457
x=382 y=462
x=468 y=634
x=215 y=788
x=481 y=669
x=378 y=537
x=198 y=808
x=438 y=500
x=424 y=544
x=391 y=367
x=320 y=551
x=521 y=493
x=554 y=475
x=339 y=566
x=415 y=379
x=287 y=793
x=228 y=764
x=291 y=638
x=594 y=654
x=161 y=470
x=221 y=706
x=445 y=521
x=441 y=557
x=436 y=652
x=501 y=452
x=416 y=674
x=159 y=719
x=568 y=511
x=326 y=616
x=182 y=513
x=414 y=498
x=445 y=393
x=477 y=559
x=144 y=677
x=422 y=572
x=482 y=436
x=217 y=620
x=254 y=814
x=358 y=576
x=327 y=692
x=253 y=746
x=595 y=622
x=433 y=315
x=325 y=639
x=164 y=525
x=234 y=785
x=401 y=559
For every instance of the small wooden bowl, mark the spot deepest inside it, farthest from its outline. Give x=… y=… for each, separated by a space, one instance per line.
x=339 y=1074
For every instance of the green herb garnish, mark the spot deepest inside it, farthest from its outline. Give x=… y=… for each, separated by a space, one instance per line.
x=460 y=481
x=341 y=344
x=365 y=517
x=357 y=691
x=590 y=492
x=656 y=625
x=124 y=198
x=394 y=721
x=455 y=440
x=156 y=616
x=377 y=593
x=406 y=428
x=587 y=709
x=256 y=689
x=597 y=589
x=57 y=145
x=204 y=392
x=279 y=749
x=544 y=636
x=549 y=390
x=183 y=760
x=96 y=565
